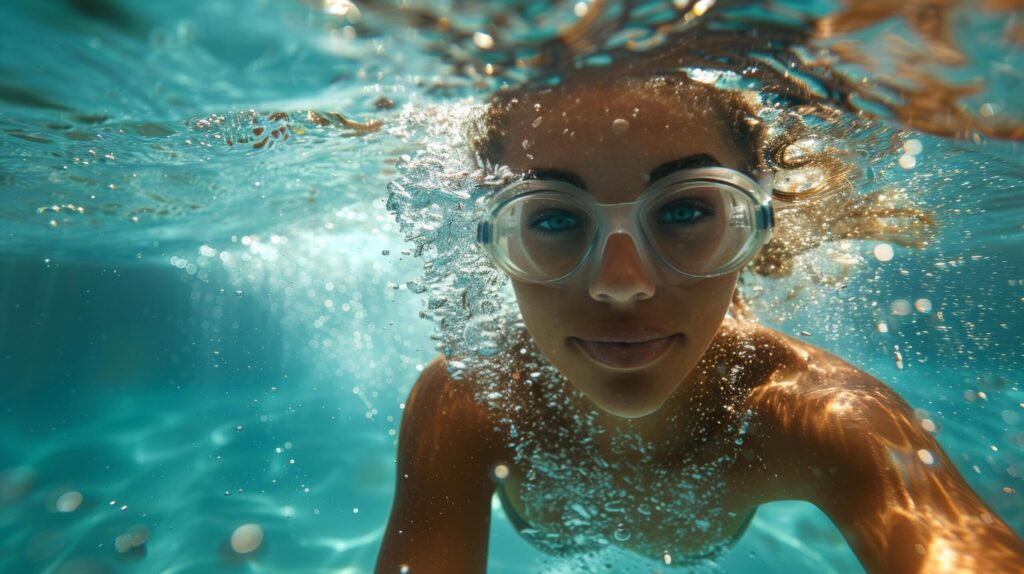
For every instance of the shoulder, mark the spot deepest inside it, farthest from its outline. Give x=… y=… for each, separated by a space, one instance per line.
x=820 y=421
x=441 y=408
x=811 y=389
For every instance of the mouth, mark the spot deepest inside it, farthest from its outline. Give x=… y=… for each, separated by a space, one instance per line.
x=626 y=354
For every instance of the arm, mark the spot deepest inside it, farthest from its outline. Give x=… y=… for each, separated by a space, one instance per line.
x=441 y=513
x=888 y=486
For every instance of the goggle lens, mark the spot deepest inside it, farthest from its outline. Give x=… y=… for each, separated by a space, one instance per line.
x=701 y=228
x=544 y=235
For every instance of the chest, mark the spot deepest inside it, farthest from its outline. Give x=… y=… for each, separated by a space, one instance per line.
x=579 y=501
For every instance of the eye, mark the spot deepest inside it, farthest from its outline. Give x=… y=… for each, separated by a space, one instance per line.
x=683 y=212
x=554 y=221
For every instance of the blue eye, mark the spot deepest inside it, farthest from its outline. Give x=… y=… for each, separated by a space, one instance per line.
x=554 y=221
x=682 y=212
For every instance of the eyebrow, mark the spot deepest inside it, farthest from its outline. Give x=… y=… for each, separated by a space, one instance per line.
x=557 y=175
x=688 y=162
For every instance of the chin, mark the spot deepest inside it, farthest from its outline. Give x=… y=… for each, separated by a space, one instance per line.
x=629 y=407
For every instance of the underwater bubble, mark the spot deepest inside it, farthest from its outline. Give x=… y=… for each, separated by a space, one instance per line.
x=923 y=305
x=482 y=335
x=135 y=537
x=139 y=534
x=912 y=146
x=620 y=126
x=908 y=161
x=501 y=472
x=621 y=533
x=246 y=538
x=883 y=252
x=900 y=307
x=122 y=544
x=926 y=456
x=69 y=501
x=483 y=40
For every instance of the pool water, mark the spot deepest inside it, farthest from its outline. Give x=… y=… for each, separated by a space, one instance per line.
x=209 y=318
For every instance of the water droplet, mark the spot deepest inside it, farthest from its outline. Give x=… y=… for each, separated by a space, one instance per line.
x=926 y=456
x=501 y=472
x=69 y=501
x=908 y=161
x=483 y=41
x=883 y=252
x=912 y=146
x=246 y=538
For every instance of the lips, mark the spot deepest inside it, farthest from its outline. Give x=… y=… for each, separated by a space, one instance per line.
x=624 y=351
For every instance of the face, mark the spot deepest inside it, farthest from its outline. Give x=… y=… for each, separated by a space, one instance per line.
x=629 y=334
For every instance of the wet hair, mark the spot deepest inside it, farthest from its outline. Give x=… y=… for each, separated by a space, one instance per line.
x=487 y=137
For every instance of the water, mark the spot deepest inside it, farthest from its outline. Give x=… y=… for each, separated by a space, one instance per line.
x=196 y=335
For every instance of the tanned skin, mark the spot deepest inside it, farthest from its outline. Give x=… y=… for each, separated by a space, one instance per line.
x=820 y=430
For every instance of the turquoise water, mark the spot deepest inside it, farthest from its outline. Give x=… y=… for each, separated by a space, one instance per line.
x=197 y=335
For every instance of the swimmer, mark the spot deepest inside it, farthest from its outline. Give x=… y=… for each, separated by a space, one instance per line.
x=663 y=422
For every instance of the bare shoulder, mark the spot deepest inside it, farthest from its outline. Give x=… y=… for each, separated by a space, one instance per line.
x=832 y=434
x=448 y=408
x=810 y=389
x=447 y=447
x=816 y=417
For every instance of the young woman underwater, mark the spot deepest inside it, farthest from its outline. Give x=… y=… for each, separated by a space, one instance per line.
x=660 y=422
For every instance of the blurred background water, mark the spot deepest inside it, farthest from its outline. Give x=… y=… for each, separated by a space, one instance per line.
x=209 y=319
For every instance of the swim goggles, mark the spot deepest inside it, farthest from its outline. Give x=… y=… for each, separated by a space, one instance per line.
x=698 y=222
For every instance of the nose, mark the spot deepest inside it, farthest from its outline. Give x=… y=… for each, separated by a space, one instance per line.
x=622 y=276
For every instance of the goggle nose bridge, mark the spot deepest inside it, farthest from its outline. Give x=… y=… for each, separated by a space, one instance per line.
x=618 y=219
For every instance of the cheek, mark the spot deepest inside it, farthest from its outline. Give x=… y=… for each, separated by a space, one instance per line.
x=707 y=301
x=545 y=310
x=535 y=304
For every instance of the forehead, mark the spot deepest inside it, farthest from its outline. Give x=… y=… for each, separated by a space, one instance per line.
x=612 y=138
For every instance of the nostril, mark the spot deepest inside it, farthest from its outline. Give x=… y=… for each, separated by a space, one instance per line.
x=622 y=275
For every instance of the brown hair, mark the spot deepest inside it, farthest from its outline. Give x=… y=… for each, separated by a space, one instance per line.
x=487 y=136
